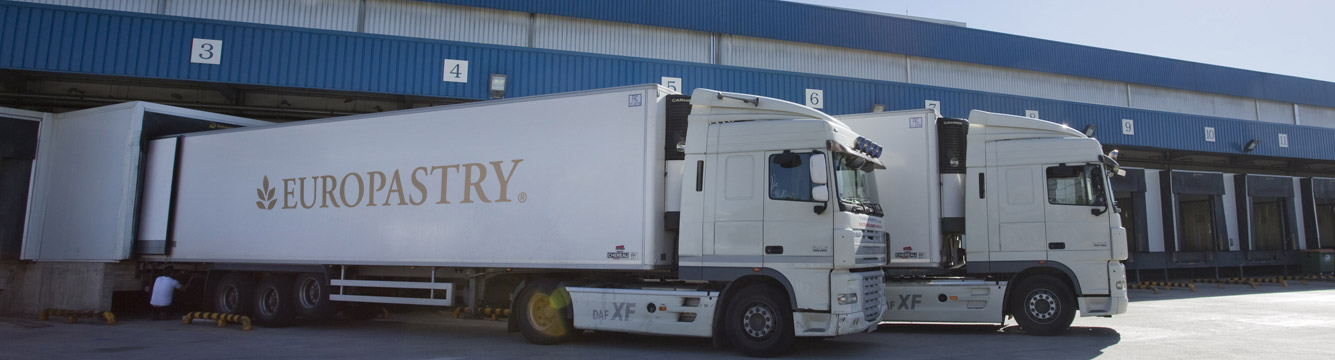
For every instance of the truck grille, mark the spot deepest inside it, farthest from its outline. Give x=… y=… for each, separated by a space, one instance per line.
x=873 y=286
x=870 y=249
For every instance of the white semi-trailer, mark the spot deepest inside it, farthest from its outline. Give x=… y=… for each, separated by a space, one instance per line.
x=994 y=216
x=631 y=209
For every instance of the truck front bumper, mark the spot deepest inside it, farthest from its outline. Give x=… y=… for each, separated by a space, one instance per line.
x=847 y=318
x=1116 y=301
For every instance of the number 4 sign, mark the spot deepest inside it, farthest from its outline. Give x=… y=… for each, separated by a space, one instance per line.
x=456 y=71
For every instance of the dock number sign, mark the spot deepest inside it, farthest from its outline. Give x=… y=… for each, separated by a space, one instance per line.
x=456 y=71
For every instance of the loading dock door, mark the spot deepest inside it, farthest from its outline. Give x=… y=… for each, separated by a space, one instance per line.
x=18 y=147
x=1266 y=222
x=1129 y=192
x=1193 y=204
x=1318 y=196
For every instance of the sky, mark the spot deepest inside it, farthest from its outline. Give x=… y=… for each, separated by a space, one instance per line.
x=1289 y=37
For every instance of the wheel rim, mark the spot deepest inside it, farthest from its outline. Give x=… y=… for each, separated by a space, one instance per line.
x=541 y=314
x=1043 y=306
x=269 y=301
x=309 y=293
x=230 y=298
x=758 y=321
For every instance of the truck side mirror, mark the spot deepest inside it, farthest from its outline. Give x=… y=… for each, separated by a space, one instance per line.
x=818 y=169
x=820 y=193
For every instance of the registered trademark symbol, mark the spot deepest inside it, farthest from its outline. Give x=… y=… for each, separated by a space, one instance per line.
x=523 y=197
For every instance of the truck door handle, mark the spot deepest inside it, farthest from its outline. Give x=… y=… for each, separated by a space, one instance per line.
x=773 y=250
x=1056 y=246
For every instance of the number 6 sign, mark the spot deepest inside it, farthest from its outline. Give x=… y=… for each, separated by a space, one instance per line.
x=815 y=98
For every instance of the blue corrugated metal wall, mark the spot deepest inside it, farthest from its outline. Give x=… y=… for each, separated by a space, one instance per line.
x=59 y=39
x=826 y=26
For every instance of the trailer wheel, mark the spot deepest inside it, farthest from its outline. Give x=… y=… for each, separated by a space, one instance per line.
x=1043 y=305
x=274 y=304
x=234 y=293
x=312 y=293
x=759 y=321
x=541 y=311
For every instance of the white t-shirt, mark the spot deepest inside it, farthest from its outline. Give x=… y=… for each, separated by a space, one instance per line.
x=162 y=290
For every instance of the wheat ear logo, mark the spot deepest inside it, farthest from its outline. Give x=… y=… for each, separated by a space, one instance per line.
x=267 y=201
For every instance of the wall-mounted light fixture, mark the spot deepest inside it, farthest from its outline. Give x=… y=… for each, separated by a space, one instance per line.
x=1251 y=145
x=878 y=107
x=1089 y=130
x=497 y=87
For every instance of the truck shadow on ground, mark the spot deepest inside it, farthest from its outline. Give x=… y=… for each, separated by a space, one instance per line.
x=954 y=340
x=1214 y=290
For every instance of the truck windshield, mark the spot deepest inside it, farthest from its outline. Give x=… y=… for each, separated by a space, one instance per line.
x=853 y=181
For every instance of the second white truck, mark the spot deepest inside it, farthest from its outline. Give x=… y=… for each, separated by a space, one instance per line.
x=995 y=216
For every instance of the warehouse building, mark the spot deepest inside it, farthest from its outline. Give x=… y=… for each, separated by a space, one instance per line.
x=1230 y=172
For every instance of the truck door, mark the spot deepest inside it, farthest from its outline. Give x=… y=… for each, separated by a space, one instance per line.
x=795 y=235
x=1019 y=211
x=737 y=212
x=1078 y=213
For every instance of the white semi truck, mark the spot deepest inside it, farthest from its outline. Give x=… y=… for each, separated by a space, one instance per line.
x=631 y=209
x=994 y=216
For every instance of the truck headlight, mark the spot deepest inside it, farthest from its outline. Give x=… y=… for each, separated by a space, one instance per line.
x=1121 y=284
x=845 y=299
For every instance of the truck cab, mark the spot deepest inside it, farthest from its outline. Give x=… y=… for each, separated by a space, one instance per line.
x=996 y=215
x=779 y=197
x=1043 y=189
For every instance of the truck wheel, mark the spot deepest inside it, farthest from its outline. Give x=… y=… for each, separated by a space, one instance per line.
x=312 y=293
x=234 y=293
x=1043 y=305
x=274 y=304
x=759 y=322
x=541 y=311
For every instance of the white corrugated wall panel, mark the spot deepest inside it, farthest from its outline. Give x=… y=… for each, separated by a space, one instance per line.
x=1276 y=112
x=611 y=38
x=808 y=58
x=1190 y=102
x=143 y=6
x=1015 y=82
x=422 y=19
x=317 y=14
x=1316 y=116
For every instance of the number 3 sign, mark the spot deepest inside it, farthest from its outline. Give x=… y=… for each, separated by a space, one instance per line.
x=206 y=51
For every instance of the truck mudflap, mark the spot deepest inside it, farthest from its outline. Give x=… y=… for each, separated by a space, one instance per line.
x=848 y=316
x=1116 y=301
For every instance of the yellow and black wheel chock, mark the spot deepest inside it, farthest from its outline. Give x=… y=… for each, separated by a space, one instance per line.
x=494 y=313
x=1166 y=285
x=72 y=316
x=222 y=319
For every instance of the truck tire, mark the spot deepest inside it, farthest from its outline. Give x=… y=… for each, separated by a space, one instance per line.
x=234 y=293
x=759 y=321
x=1043 y=305
x=312 y=293
x=275 y=305
x=541 y=312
